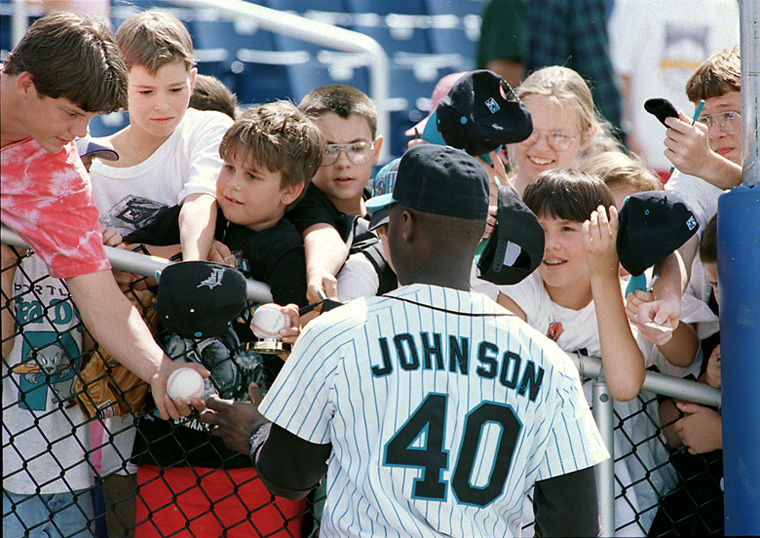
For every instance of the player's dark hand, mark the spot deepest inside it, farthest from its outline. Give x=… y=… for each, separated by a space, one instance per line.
x=234 y=421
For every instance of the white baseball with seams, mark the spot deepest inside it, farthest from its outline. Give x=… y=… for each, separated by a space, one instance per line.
x=185 y=383
x=268 y=320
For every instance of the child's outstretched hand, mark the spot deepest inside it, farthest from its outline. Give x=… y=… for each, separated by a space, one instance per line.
x=712 y=375
x=599 y=236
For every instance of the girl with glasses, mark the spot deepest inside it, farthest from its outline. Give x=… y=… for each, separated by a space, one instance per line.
x=566 y=126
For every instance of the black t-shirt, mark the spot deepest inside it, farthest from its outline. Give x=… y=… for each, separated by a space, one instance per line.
x=274 y=256
x=316 y=208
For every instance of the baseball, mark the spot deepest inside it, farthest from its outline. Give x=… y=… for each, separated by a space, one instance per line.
x=185 y=383
x=267 y=321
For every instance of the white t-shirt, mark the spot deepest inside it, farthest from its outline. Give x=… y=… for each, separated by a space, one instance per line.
x=187 y=163
x=418 y=397
x=577 y=330
x=659 y=45
x=48 y=435
x=699 y=196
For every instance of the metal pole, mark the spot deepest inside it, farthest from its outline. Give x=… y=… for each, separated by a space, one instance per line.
x=140 y=264
x=750 y=79
x=605 y=471
x=20 y=22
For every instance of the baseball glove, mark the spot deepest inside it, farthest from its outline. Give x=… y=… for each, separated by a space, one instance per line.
x=104 y=387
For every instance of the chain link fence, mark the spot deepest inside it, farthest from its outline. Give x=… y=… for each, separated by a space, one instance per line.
x=114 y=471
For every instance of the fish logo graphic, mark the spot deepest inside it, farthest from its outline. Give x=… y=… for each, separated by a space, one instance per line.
x=214 y=279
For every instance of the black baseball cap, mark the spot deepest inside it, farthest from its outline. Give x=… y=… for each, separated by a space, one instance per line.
x=475 y=116
x=198 y=299
x=516 y=246
x=86 y=147
x=441 y=180
x=653 y=224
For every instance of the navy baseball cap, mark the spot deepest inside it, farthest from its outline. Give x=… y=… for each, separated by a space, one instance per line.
x=441 y=180
x=516 y=246
x=653 y=224
x=86 y=147
x=382 y=186
x=477 y=117
x=198 y=299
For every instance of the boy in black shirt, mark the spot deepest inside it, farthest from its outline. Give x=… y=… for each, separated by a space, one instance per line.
x=327 y=216
x=270 y=154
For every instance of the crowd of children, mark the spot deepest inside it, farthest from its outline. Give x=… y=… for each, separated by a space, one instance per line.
x=279 y=192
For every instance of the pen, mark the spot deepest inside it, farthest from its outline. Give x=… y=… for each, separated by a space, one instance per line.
x=651 y=284
x=697 y=112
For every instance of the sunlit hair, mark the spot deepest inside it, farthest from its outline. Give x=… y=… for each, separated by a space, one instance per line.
x=152 y=39
x=210 y=93
x=619 y=170
x=718 y=75
x=708 y=243
x=75 y=58
x=567 y=194
x=564 y=85
x=278 y=137
x=341 y=100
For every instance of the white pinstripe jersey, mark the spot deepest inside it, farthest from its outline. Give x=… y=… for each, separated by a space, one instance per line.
x=439 y=421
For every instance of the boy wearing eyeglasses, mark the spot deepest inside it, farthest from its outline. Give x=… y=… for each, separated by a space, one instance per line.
x=348 y=119
x=707 y=155
x=711 y=148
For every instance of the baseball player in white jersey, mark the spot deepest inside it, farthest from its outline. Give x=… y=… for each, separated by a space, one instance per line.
x=431 y=409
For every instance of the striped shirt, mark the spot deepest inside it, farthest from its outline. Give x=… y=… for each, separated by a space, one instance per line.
x=440 y=418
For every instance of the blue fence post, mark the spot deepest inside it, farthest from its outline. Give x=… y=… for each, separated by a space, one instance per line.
x=739 y=283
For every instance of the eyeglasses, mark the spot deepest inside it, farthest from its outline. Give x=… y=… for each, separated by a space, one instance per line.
x=357 y=153
x=556 y=141
x=728 y=122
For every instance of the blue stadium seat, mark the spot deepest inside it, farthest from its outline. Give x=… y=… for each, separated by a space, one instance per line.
x=455 y=29
x=384 y=7
x=305 y=77
x=241 y=55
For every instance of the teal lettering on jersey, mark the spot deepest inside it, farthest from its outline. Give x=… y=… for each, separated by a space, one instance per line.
x=428 y=352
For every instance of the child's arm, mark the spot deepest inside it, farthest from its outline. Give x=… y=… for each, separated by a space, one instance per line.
x=622 y=359
x=197 y=220
x=509 y=304
x=669 y=415
x=326 y=253
x=688 y=148
x=712 y=374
